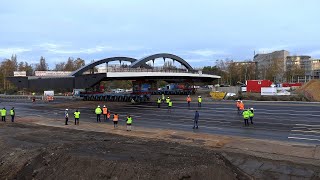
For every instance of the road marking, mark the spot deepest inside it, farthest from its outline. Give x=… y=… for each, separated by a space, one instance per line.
x=308 y=131
x=312 y=125
x=305 y=135
x=290 y=137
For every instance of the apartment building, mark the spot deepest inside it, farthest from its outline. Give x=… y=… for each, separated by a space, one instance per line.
x=267 y=60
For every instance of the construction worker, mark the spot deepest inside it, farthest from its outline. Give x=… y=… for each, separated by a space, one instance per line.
x=199 y=101
x=163 y=97
x=115 y=120
x=251 y=115
x=196 y=118
x=168 y=100
x=238 y=105
x=66 y=116
x=188 y=101
x=76 y=117
x=12 y=114
x=241 y=107
x=105 y=112
x=169 y=106
x=246 y=116
x=159 y=102
x=108 y=116
x=129 y=122
x=33 y=97
x=3 y=114
x=98 y=112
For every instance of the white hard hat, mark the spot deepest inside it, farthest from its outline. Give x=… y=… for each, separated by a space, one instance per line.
x=66 y=109
x=199 y=96
x=251 y=108
x=98 y=106
x=104 y=105
x=240 y=101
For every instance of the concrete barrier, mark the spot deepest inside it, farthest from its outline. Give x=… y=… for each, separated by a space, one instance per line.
x=231 y=89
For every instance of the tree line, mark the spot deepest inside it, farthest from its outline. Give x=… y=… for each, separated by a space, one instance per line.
x=232 y=72
x=236 y=73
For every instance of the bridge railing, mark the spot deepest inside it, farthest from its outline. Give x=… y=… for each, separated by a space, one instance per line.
x=151 y=70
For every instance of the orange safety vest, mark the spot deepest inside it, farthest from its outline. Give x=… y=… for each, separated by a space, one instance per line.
x=241 y=106
x=115 y=117
x=105 y=110
x=188 y=99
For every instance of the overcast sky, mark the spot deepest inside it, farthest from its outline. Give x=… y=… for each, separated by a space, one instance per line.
x=198 y=31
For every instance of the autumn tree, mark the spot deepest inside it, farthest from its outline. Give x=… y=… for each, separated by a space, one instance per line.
x=24 y=66
x=293 y=72
x=60 y=66
x=8 y=66
x=70 y=65
x=78 y=63
x=42 y=65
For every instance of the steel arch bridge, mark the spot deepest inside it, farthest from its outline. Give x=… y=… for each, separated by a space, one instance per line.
x=134 y=62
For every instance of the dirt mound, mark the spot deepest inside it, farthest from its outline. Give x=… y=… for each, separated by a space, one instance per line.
x=34 y=152
x=310 y=90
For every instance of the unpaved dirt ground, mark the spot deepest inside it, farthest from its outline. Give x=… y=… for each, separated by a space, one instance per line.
x=39 y=152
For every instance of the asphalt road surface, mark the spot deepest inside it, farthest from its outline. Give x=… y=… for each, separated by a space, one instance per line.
x=284 y=121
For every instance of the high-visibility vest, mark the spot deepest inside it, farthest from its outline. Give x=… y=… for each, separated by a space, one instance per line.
x=76 y=115
x=188 y=99
x=129 y=120
x=12 y=112
x=105 y=110
x=115 y=117
x=168 y=100
x=170 y=104
x=3 y=112
x=251 y=114
x=98 y=111
x=241 y=106
x=246 y=114
x=199 y=99
x=159 y=101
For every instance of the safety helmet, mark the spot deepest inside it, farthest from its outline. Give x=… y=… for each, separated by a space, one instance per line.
x=188 y=95
x=168 y=97
x=66 y=109
x=199 y=96
x=98 y=106
x=238 y=100
x=104 y=105
x=251 y=108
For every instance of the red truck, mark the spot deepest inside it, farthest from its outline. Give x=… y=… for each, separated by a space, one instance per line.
x=256 y=85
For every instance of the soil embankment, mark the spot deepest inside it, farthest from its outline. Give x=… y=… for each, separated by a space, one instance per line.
x=38 y=152
x=311 y=90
